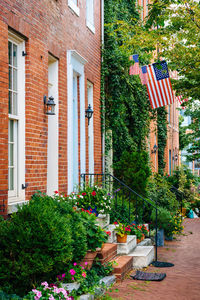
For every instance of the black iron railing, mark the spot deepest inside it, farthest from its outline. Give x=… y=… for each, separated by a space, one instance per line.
x=2 y=206
x=122 y=195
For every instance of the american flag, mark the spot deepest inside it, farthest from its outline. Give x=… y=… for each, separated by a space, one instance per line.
x=134 y=69
x=179 y=98
x=159 y=85
x=143 y=75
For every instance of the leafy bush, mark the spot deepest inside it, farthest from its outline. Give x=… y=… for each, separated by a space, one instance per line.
x=133 y=169
x=158 y=190
x=120 y=212
x=163 y=218
x=96 y=236
x=35 y=244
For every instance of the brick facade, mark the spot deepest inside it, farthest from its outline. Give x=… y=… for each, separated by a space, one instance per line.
x=48 y=27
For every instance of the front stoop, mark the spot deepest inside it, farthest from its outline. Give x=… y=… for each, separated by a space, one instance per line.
x=129 y=246
x=142 y=256
x=145 y=242
x=123 y=265
x=107 y=253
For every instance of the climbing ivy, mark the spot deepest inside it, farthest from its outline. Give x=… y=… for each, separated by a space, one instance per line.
x=162 y=137
x=127 y=109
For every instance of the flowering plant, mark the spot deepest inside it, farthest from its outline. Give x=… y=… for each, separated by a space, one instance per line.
x=174 y=226
x=76 y=273
x=48 y=291
x=122 y=229
x=94 y=198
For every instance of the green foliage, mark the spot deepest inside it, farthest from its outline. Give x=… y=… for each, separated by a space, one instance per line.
x=126 y=101
x=133 y=169
x=183 y=137
x=93 y=197
x=159 y=191
x=162 y=137
x=34 y=244
x=120 y=212
x=163 y=218
x=4 y=296
x=96 y=236
x=102 y=270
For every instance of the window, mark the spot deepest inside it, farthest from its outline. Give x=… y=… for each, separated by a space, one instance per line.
x=90 y=15
x=147 y=3
x=90 y=129
x=73 y=4
x=170 y=162
x=16 y=133
x=142 y=10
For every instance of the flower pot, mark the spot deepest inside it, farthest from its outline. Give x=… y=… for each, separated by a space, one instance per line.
x=138 y=241
x=121 y=239
x=89 y=258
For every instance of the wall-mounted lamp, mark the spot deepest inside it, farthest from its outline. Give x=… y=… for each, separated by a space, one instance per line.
x=88 y=113
x=155 y=147
x=176 y=157
x=50 y=105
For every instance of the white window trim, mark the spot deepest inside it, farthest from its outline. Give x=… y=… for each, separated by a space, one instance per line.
x=88 y=23
x=74 y=7
x=20 y=196
x=75 y=63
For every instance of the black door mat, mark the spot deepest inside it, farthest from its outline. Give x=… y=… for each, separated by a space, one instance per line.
x=148 y=276
x=162 y=264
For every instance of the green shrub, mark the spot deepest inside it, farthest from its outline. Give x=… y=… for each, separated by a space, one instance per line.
x=163 y=218
x=35 y=244
x=158 y=190
x=133 y=169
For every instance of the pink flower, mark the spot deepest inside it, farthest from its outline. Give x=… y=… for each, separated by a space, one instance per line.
x=75 y=264
x=72 y=272
x=86 y=263
x=84 y=274
x=93 y=193
x=72 y=278
x=51 y=298
x=63 y=275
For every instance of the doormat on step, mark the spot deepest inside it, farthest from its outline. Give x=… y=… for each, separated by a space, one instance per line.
x=148 y=276
x=162 y=264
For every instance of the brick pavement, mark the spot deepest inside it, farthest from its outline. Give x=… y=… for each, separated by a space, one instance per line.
x=182 y=281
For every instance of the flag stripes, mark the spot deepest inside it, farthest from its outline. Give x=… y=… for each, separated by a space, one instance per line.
x=159 y=88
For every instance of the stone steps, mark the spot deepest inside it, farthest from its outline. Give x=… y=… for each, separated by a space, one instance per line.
x=142 y=256
x=129 y=246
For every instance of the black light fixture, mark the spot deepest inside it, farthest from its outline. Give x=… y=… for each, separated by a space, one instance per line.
x=50 y=105
x=155 y=147
x=176 y=157
x=89 y=113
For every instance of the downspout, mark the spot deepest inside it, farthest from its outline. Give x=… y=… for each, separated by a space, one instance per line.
x=103 y=117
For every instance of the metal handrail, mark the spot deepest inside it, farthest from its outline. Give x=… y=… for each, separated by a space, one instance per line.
x=121 y=183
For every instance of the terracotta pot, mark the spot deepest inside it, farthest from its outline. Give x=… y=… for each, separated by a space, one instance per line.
x=122 y=239
x=143 y=236
x=89 y=258
x=183 y=211
x=138 y=241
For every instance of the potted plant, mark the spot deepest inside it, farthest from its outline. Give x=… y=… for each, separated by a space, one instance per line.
x=122 y=231
x=163 y=219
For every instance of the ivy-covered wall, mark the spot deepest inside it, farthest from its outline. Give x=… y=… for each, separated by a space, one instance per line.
x=127 y=108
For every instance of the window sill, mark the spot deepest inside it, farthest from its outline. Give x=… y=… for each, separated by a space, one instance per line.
x=90 y=26
x=13 y=207
x=74 y=7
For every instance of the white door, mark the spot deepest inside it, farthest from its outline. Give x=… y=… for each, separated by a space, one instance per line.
x=75 y=132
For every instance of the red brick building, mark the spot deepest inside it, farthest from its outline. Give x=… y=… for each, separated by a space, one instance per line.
x=48 y=48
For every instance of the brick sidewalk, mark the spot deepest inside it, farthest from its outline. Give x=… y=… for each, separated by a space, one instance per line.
x=182 y=281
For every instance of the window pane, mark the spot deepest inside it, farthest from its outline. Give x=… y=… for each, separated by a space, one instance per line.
x=11 y=155
x=10 y=52
x=14 y=79
x=14 y=55
x=10 y=78
x=11 y=129
x=15 y=112
x=10 y=103
x=11 y=179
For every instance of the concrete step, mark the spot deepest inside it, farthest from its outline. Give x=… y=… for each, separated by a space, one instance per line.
x=142 y=256
x=123 y=265
x=129 y=246
x=112 y=237
x=103 y=220
x=107 y=253
x=145 y=242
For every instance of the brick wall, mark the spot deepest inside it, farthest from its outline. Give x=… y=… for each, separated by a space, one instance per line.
x=48 y=26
